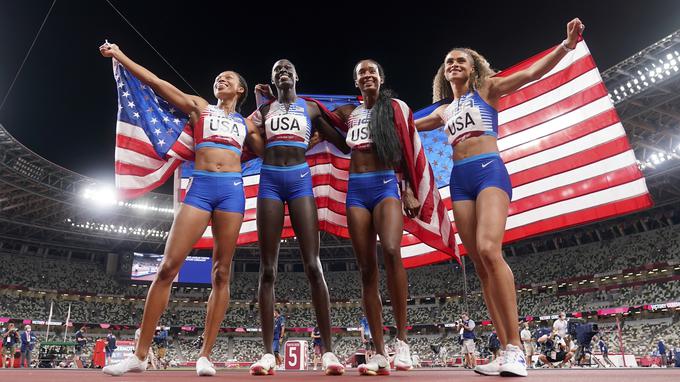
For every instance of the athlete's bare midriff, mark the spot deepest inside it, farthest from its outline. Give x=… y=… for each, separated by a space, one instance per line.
x=284 y=156
x=217 y=160
x=475 y=146
x=366 y=161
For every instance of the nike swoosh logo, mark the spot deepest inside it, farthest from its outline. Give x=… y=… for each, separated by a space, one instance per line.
x=486 y=164
x=387 y=181
x=237 y=183
x=305 y=174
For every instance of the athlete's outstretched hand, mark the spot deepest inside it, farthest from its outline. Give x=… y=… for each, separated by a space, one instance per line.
x=263 y=94
x=574 y=29
x=109 y=50
x=411 y=203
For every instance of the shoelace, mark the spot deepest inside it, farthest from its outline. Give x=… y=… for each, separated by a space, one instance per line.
x=512 y=356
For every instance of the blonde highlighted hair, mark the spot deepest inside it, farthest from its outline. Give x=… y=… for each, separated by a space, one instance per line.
x=441 y=88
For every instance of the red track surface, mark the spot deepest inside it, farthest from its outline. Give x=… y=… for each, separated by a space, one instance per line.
x=436 y=375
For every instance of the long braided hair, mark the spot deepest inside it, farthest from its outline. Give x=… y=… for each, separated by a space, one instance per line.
x=441 y=89
x=383 y=131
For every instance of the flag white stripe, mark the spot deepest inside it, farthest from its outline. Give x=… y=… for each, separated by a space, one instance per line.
x=612 y=194
x=556 y=124
x=573 y=176
x=564 y=91
x=570 y=148
x=137 y=159
x=132 y=131
x=138 y=182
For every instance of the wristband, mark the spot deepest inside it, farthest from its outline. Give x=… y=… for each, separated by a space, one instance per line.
x=565 y=47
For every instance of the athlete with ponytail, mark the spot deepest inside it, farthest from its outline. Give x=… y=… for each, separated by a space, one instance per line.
x=480 y=184
x=374 y=206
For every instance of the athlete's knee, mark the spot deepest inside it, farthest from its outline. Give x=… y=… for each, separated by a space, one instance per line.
x=391 y=251
x=487 y=247
x=369 y=275
x=314 y=272
x=490 y=253
x=220 y=275
x=267 y=274
x=168 y=270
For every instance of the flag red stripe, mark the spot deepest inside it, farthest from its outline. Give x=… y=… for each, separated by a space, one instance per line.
x=579 y=67
x=122 y=168
x=183 y=151
x=600 y=212
x=566 y=135
x=571 y=162
x=131 y=193
x=426 y=259
x=136 y=145
x=555 y=110
x=570 y=191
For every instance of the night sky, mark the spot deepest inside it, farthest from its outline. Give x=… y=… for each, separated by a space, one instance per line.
x=63 y=106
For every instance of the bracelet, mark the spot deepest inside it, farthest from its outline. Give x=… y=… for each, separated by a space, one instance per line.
x=565 y=47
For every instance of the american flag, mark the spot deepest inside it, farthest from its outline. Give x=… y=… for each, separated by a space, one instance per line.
x=562 y=142
x=565 y=149
x=152 y=137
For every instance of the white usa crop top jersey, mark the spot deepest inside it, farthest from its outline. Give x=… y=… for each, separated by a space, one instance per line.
x=217 y=129
x=288 y=128
x=358 y=133
x=470 y=116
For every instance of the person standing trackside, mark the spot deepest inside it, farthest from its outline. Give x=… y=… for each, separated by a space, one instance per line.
x=81 y=341
x=28 y=340
x=316 y=345
x=662 y=352
x=110 y=346
x=279 y=331
x=525 y=336
x=366 y=337
x=561 y=324
x=468 y=349
x=10 y=339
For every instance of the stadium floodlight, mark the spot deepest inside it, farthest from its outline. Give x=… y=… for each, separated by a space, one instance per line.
x=102 y=196
x=655 y=64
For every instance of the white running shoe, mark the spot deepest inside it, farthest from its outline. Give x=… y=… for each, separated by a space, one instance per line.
x=330 y=363
x=377 y=365
x=514 y=363
x=205 y=368
x=130 y=364
x=264 y=366
x=491 y=368
x=402 y=358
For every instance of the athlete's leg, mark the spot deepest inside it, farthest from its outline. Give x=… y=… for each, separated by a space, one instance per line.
x=225 y=228
x=305 y=222
x=187 y=228
x=492 y=213
x=269 y=226
x=389 y=223
x=464 y=212
x=362 y=233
